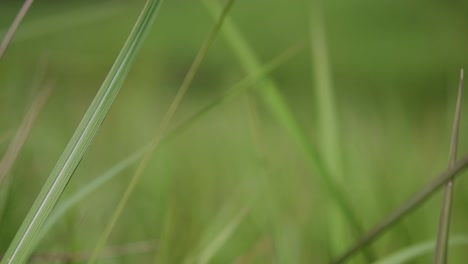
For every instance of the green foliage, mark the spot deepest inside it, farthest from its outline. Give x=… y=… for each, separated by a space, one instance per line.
x=299 y=157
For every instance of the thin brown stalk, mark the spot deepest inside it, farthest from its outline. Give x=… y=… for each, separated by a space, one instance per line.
x=416 y=200
x=16 y=22
x=23 y=132
x=441 y=251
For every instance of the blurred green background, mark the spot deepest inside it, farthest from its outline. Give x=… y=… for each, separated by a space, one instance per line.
x=394 y=68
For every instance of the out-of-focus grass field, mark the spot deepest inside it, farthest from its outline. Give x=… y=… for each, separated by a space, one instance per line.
x=394 y=68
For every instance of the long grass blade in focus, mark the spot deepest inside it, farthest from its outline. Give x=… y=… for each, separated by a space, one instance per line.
x=20 y=247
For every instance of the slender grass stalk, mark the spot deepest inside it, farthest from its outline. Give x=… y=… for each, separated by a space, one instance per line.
x=16 y=22
x=23 y=132
x=83 y=192
x=416 y=200
x=278 y=106
x=441 y=248
x=159 y=135
x=410 y=253
x=20 y=247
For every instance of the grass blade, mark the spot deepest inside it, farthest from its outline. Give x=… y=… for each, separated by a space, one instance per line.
x=416 y=200
x=278 y=106
x=325 y=97
x=19 y=249
x=16 y=22
x=408 y=254
x=328 y=121
x=444 y=221
x=159 y=135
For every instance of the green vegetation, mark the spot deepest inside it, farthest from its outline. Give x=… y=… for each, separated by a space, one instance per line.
x=305 y=125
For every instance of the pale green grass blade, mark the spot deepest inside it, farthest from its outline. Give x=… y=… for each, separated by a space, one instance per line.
x=14 y=26
x=408 y=254
x=416 y=200
x=19 y=249
x=160 y=133
x=100 y=180
x=325 y=94
x=60 y=22
x=441 y=253
x=276 y=103
x=328 y=128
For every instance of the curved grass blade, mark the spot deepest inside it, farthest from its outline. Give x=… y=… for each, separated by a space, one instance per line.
x=16 y=22
x=410 y=253
x=278 y=106
x=159 y=135
x=441 y=248
x=98 y=181
x=19 y=249
x=416 y=200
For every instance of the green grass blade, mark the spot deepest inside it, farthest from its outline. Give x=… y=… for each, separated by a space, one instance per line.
x=445 y=213
x=328 y=128
x=159 y=135
x=20 y=247
x=274 y=100
x=16 y=22
x=100 y=180
x=416 y=200
x=325 y=97
x=408 y=254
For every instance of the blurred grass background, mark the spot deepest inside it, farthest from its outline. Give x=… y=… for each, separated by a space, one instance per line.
x=395 y=67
